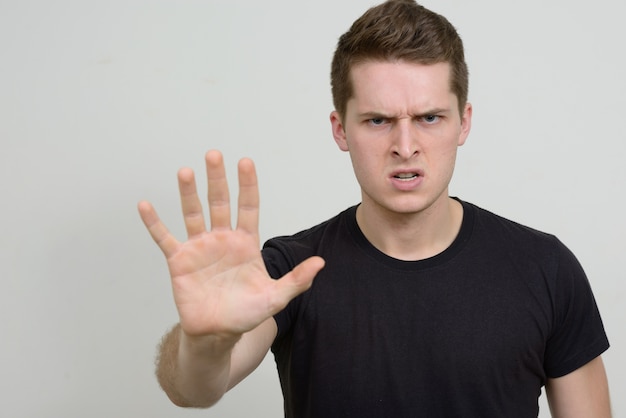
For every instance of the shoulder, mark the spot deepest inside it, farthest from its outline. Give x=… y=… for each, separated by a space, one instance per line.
x=528 y=249
x=285 y=252
x=510 y=233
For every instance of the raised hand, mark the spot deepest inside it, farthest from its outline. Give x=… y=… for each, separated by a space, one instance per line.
x=219 y=280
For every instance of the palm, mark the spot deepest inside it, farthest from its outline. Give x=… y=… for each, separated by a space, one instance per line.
x=219 y=280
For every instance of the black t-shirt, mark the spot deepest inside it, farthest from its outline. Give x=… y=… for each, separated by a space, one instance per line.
x=471 y=332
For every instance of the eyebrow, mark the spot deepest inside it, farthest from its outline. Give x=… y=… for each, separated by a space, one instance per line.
x=380 y=114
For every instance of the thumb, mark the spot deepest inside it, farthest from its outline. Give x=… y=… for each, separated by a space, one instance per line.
x=295 y=282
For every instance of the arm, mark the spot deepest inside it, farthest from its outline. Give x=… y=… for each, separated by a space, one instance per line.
x=198 y=371
x=583 y=393
x=224 y=296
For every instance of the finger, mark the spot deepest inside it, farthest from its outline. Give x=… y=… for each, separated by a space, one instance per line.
x=248 y=204
x=159 y=233
x=219 y=199
x=192 y=208
x=295 y=282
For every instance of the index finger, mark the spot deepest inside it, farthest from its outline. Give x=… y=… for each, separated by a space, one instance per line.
x=248 y=203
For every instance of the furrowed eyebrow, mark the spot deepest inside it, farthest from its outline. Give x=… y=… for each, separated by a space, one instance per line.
x=430 y=112
x=374 y=115
x=436 y=111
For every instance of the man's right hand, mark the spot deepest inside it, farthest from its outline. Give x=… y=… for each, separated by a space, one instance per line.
x=220 y=284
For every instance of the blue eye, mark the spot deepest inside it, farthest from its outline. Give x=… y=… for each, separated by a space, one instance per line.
x=377 y=121
x=431 y=118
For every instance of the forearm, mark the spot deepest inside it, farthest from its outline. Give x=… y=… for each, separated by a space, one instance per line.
x=194 y=371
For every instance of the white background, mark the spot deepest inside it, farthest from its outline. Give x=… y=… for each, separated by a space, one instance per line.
x=102 y=101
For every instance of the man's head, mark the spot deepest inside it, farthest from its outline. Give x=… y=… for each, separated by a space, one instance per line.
x=398 y=30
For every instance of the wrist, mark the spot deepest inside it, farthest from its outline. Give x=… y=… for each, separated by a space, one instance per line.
x=208 y=344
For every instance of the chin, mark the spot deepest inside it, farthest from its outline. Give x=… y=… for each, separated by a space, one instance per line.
x=404 y=203
x=410 y=205
x=407 y=208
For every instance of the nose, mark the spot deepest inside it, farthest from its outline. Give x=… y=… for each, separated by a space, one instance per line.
x=404 y=139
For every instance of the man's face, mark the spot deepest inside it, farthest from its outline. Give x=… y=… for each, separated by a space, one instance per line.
x=402 y=128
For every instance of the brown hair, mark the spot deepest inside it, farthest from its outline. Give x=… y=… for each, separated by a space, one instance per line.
x=398 y=30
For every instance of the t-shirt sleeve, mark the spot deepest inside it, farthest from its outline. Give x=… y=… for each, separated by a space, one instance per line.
x=578 y=334
x=278 y=263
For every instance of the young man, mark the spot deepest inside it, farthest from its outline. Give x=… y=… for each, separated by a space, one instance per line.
x=411 y=303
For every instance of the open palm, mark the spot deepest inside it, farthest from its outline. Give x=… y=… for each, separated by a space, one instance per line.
x=219 y=280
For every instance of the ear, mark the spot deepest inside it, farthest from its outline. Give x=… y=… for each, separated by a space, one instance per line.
x=339 y=133
x=466 y=123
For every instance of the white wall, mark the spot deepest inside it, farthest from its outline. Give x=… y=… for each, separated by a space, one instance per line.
x=101 y=103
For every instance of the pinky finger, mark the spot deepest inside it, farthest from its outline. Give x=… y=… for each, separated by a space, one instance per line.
x=159 y=233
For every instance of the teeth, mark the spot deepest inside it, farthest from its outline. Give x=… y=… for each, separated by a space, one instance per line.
x=405 y=176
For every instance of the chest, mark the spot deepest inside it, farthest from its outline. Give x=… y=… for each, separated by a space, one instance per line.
x=488 y=320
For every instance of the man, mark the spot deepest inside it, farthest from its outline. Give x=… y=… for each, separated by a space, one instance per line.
x=411 y=303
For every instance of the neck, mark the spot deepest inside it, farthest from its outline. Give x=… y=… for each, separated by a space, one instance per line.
x=412 y=236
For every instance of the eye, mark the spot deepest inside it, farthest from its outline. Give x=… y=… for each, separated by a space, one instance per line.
x=377 y=121
x=430 y=119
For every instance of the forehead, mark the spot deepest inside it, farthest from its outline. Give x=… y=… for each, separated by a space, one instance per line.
x=401 y=85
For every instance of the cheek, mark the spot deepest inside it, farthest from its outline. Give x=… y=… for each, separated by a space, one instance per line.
x=358 y=163
x=444 y=160
x=364 y=162
x=370 y=158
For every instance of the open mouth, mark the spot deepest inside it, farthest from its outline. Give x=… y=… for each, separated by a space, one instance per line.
x=406 y=176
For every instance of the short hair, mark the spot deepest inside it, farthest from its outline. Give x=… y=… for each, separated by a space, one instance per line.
x=398 y=30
